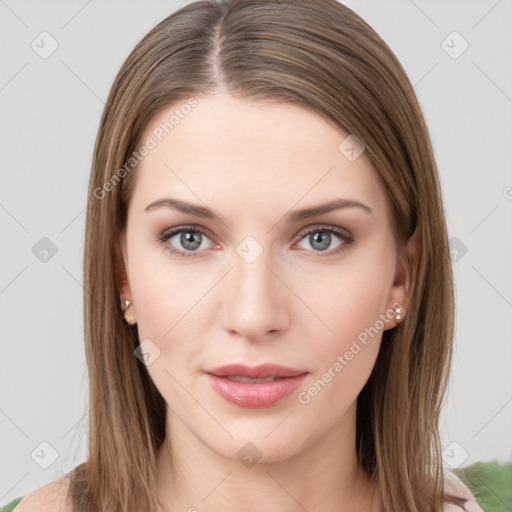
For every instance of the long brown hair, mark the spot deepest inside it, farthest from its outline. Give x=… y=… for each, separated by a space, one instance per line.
x=320 y=56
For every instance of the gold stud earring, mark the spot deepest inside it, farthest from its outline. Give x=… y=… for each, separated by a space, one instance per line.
x=124 y=307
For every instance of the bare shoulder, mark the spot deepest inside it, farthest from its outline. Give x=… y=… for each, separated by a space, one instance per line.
x=51 y=497
x=456 y=487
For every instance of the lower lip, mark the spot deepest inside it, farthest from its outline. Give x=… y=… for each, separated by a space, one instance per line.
x=255 y=395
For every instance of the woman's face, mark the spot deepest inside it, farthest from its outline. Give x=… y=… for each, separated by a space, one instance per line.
x=254 y=282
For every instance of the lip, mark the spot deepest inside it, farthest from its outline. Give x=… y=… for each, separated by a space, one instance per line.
x=261 y=371
x=255 y=395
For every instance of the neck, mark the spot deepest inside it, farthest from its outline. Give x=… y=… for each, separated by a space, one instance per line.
x=321 y=477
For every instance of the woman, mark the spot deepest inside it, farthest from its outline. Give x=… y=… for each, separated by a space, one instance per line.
x=268 y=289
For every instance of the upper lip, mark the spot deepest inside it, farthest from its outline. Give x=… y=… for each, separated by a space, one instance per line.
x=261 y=371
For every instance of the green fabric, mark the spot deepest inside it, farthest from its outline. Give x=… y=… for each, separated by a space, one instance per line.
x=10 y=506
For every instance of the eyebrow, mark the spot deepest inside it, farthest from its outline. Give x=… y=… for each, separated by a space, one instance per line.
x=295 y=216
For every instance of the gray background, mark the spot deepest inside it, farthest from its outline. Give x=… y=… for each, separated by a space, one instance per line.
x=50 y=113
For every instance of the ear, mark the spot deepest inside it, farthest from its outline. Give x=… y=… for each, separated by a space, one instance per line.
x=401 y=289
x=122 y=281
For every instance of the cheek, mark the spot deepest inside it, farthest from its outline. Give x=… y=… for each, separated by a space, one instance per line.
x=345 y=357
x=352 y=299
x=172 y=312
x=169 y=313
x=350 y=308
x=164 y=291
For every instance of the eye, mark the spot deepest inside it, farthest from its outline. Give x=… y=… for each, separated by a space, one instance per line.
x=321 y=238
x=189 y=238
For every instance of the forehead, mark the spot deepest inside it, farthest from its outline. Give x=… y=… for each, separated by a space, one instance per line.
x=259 y=155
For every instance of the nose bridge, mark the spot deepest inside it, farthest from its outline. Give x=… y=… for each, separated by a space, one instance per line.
x=254 y=303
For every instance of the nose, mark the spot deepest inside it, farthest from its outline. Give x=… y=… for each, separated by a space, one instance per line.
x=256 y=301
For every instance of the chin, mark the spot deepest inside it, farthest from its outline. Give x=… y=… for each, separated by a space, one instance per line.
x=256 y=442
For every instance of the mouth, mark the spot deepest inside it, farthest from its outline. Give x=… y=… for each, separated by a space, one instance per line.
x=255 y=387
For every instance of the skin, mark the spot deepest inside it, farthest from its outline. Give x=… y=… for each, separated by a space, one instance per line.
x=296 y=305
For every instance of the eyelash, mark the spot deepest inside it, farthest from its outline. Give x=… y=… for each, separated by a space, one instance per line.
x=164 y=237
